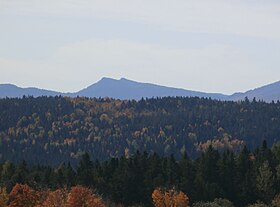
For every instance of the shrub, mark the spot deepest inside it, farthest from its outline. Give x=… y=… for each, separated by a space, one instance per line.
x=218 y=202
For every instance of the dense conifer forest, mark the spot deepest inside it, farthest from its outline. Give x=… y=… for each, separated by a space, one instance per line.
x=57 y=129
x=214 y=179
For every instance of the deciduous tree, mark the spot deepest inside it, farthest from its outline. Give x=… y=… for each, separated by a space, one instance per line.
x=83 y=197
x=56 y=198
x=169 y=198
x=3 y=197
x=23 y=196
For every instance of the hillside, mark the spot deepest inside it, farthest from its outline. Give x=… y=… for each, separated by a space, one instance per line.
x=61 y=129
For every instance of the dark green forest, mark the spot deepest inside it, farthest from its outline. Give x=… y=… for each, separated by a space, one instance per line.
x=242 y=178
x=126 y=149
x=50 y=130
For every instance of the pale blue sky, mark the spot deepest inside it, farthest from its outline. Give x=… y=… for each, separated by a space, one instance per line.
x=213 y=46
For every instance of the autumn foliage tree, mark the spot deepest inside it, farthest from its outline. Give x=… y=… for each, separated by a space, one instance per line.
x=23 y=196
x=84 y=197
x=56 y=198
x=169 y=198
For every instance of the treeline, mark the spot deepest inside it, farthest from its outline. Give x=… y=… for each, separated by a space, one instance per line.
x=243 y=178
x=57 y=129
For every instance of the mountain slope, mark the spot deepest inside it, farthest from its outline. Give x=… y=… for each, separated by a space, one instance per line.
x=266 y=93
x=12 y=91
x=127 y=89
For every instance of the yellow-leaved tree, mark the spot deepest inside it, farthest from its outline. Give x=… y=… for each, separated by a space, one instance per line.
x=3 y=196
x=169 y=198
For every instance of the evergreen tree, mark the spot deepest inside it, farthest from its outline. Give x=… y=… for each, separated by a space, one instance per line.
x=265 y=182
x=85 y=171
x=186 y=176
x=245 y=178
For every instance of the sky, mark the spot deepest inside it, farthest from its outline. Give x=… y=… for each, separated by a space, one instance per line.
x=212 y=46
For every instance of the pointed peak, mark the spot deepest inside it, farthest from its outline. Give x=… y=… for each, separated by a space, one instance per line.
x=106 y=78
x=125 y=79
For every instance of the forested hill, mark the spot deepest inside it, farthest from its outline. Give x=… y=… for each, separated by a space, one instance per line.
x=48 y=130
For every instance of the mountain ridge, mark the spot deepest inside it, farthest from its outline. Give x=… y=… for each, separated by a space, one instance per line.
x=269 y=92
x=128 y=89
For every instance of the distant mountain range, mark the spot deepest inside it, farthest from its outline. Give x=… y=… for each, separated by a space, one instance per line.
x=128 y=89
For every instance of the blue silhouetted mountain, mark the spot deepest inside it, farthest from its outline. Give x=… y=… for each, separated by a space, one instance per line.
x=12 y=91
x=127 y=89
x=266 y=93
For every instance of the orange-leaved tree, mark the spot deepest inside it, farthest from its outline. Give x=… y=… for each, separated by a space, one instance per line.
x=181 y=199
x=158 y=197
x=56 y=198
x=169 y=198
x=84 y=197
x=23 y=196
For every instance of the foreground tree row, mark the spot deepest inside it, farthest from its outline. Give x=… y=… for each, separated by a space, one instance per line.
x=243 y=178
x=79 y=196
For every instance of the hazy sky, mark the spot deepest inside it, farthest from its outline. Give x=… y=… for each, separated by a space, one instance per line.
x=206 y=45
